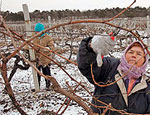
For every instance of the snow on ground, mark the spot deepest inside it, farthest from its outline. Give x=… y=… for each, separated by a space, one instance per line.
x=33 y=103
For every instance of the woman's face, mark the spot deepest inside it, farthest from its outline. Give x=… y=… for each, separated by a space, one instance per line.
x=135 y=56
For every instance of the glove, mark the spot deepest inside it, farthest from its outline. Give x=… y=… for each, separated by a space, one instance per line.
x=101 y=46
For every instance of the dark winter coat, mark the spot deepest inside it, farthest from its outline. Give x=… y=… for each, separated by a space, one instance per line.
x=138 y=101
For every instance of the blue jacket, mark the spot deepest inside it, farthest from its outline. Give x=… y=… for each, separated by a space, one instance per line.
x=138 y=101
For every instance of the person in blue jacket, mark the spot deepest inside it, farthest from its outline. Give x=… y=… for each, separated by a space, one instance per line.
x=131 y=93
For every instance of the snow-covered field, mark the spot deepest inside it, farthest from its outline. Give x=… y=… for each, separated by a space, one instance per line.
x=34 y=103
x=44 y=101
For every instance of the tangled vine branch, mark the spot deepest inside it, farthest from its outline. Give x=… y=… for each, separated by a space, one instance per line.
x=71 y=95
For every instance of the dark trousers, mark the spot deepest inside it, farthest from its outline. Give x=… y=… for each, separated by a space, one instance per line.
x=45 y=71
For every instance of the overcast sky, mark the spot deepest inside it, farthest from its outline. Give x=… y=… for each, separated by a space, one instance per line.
x=16 y=5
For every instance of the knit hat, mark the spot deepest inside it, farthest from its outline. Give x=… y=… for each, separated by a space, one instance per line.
x=135 y=72
x=39 y=27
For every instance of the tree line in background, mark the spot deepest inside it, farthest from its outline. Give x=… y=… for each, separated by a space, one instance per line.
x=77 y=14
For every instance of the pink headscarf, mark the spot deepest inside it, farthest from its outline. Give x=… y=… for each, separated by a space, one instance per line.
x=135 y=72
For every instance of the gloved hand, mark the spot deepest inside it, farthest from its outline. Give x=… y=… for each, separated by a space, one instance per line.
x=101 y=46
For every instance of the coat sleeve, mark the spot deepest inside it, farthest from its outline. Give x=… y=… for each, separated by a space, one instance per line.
x=148 y=99
x=51 y=46
x=86 y=57
x=50 y=43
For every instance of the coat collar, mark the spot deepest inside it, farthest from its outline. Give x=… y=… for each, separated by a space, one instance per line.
x=122 y=87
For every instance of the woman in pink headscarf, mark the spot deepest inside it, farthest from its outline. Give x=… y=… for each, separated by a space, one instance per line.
x=132 y=92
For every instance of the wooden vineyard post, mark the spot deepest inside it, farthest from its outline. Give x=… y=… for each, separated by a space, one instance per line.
x=50 y=23
x=31 y=51
x=148 y=32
